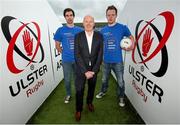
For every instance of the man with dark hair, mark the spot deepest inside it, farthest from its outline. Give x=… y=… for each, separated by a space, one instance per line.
x=65 y=36
x=113 y=33
x=88 y=57
x=69 y=10
x=112 y=7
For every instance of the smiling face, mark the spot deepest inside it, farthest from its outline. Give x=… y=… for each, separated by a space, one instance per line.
x=88 y=23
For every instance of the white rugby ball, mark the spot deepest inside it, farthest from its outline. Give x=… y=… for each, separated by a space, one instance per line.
x=126 y=43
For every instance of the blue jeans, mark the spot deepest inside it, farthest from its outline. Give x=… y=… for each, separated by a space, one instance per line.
x=118 y=69
x=68 y=71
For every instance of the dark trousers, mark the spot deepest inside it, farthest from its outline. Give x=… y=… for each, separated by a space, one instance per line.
x=80 y=85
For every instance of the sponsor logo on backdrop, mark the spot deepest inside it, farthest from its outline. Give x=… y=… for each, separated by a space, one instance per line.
x=151 y=44
x=59 y=63
x=29 y=51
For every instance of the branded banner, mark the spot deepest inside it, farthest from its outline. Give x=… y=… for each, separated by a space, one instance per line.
x=30 y=68
x=151 y=69
x=56 y=58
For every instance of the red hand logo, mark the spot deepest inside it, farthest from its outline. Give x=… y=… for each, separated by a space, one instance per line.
x=147 y=42
x=28 y=42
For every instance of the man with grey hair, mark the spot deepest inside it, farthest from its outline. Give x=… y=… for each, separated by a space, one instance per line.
x=88 y=57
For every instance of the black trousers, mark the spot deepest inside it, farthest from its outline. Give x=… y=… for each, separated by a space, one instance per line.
x=80 y=85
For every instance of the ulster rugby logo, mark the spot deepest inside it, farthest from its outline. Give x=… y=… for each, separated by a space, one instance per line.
x=148 y=35
x=28 y=37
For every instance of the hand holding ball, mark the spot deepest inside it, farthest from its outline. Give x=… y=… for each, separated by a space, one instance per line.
x=125 y=43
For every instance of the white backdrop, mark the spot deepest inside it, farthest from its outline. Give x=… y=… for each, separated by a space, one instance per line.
x=156 y=98
x=26 y=80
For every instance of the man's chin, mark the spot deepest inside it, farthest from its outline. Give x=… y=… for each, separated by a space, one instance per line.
x=70 y=22
x=110 y=23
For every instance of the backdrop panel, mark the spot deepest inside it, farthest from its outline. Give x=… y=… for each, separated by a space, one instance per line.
x=152 y=68
x=27 y=56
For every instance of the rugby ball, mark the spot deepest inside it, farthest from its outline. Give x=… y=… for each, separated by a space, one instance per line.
x=125 y=43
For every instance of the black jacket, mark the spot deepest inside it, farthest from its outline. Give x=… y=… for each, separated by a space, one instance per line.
x=82 y=55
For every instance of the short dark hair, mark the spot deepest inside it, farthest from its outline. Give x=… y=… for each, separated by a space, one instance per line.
x=67 y=10
x=112 y=7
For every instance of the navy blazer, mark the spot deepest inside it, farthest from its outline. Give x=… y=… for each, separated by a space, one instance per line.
x=82 y=55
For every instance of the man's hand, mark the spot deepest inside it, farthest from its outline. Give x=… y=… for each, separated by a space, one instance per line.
x=58 y=47
x=92 y=73
x=89 y=74
x=132 y=45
